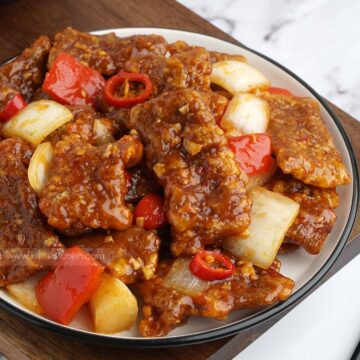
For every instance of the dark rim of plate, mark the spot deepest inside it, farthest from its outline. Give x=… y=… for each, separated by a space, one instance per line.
x=239 y=325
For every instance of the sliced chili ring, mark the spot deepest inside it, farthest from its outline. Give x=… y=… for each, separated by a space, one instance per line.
x=210 y=265
x=126 y=101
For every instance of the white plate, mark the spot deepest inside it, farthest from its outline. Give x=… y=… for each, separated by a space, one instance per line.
x=305 y=269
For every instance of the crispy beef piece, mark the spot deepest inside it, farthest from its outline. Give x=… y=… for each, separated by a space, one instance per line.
x=301 y=142
x=136 y=46
x=86 y=185
x=91 y=50
x=166 y=308
x=27 y=244
x=143 y=182
x=316 y=217
x=181 y=46
x=205 y=193
x=187 y=69
x=218 y=56
x=25 y=73
x=105 y=53
x=129 y=254
x=88 y=126
x=190 y=69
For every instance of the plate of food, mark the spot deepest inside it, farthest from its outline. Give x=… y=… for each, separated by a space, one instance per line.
x=161 y=187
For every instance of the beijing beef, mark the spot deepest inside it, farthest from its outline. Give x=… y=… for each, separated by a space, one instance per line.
x=137 y=169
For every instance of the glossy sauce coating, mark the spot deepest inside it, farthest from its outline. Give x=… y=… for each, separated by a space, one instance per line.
x=188 y=153
x=129 y=254
x=166 y=308
x=87 y=185
x=316 y=216
x=88 y=126
x=105 y=53
x=27 y=244
x=302 y=144
x=25 y=73
x=190 y=69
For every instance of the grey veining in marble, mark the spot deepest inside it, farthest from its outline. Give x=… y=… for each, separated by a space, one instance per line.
x=319 y=40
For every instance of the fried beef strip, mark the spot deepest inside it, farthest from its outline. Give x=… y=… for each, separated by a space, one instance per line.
x=89 y=49
x=129 y=254
x=25 y=73
x=166 y=308
x=301 y=142
x=215 y=56
x=205 y=193
x=316 y=216
x=87 y=125
x=136 y=46
x=105 y=53
x=27 y=244
x=188 y=69
x=86 y=185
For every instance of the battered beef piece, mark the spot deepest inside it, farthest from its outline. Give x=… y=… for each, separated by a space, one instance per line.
x=105 y=53
x=316 y=216
x=302 y=144
x=218 y=56
x=87 y=125
x=188 y=153
x=136 y=46
x=27 y=244
x=166 y=308
x=215 y=56
x=25 y=73
x=142 y=182
x=86 y=185
x=91 y=50
x=129 y=255
x=190 y=69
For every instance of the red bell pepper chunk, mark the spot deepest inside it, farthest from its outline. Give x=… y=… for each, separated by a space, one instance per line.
x=210 y=266
x=276 y=90
x=63 y=291
x=129 y=98
x=151 y=208
x=71 y=83
x=253 y=152
x=12 y=107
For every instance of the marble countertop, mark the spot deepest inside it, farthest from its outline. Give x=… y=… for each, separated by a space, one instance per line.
x=318 y=40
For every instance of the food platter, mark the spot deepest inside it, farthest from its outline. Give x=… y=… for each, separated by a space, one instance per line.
x=305 y=269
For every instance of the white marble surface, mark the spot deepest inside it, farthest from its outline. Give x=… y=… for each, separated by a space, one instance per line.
x=319 y=40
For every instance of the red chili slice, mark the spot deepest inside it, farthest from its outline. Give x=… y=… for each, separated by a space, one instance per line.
x=127 y=100
x=211 y=265
x=12 y=107
x=277 y=90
